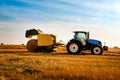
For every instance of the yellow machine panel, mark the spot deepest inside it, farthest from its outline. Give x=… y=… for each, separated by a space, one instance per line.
x=45 y=40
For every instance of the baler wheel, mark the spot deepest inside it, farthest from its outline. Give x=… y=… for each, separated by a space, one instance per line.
x=32 y=45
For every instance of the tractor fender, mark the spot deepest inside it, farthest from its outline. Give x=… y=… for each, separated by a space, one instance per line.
x=74 y=40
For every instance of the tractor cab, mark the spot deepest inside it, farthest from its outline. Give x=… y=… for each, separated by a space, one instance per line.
x=82 y=36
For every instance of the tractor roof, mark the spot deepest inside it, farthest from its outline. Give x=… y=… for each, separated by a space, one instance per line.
x=80 y=32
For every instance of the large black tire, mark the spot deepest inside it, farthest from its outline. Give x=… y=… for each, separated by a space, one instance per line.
x=32 y=45
x=97 y=50
x=74 y=47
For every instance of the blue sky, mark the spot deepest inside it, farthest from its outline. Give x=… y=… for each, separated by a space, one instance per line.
x=60 y=17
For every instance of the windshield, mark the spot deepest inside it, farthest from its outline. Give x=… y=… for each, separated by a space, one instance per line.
x=80 y=36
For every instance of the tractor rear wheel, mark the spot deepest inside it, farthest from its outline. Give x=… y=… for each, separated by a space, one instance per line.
x=97 y=50
x=32 y=45
x=74 y=47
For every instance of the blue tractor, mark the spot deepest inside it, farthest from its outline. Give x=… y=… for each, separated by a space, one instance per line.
x=81 y=42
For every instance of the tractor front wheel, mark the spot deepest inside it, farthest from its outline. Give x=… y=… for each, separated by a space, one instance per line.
x=97 y=50
x=32 y=45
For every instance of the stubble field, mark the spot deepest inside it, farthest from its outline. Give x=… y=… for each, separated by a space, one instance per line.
x=19 y=64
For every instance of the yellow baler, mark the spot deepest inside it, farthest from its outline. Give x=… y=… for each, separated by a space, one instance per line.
x=43 y=43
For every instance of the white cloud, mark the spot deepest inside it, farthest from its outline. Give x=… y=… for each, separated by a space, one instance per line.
x=109 y=6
